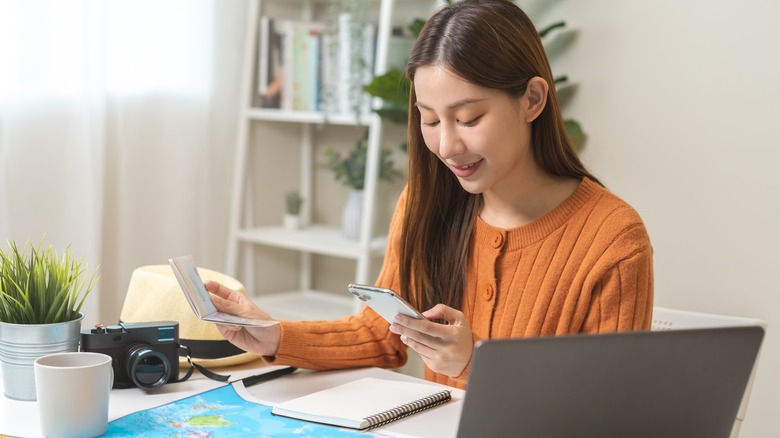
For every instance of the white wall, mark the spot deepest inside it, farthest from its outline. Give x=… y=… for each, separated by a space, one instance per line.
x=680 y=100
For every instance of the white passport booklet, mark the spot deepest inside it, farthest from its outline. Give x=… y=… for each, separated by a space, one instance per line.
x=194 y=289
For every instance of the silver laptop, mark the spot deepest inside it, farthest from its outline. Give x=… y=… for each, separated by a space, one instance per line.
x=682 y=383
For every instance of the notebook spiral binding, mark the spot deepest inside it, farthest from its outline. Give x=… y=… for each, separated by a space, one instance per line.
x=405 y=410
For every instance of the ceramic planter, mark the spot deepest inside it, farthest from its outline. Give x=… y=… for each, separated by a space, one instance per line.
x=352 y=215
x=292 y=221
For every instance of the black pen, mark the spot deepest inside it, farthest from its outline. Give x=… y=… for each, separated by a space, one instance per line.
x=254 y=380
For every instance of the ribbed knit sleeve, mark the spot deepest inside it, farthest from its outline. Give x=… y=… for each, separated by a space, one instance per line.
x=353 y=341
x=622 y=296
x=357 y=340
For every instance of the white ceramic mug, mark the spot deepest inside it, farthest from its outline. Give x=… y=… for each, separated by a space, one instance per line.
x=73 y=390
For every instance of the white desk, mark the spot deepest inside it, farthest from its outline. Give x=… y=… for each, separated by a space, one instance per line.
x=21 y=419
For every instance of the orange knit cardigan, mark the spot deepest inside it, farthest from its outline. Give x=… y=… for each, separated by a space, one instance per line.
x=585 y=267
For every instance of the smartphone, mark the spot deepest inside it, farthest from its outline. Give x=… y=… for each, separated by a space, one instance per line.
x=384 y=301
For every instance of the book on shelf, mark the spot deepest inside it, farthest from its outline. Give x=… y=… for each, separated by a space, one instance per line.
x=270 y=70
x=357 y=43
x=304 y=78
x=364 y=403
x=311 y=66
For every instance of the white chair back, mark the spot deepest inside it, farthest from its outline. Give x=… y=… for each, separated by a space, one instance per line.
x=673 y=319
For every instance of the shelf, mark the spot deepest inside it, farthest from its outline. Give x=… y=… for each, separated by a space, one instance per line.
x=302 y=130
x=314 y=117
x=306 y=305
x=317 y=239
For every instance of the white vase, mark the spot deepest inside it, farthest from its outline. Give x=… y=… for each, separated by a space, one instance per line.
x=352 y=215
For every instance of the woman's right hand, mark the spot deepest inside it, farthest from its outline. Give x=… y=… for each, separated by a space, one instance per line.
x=263 y=341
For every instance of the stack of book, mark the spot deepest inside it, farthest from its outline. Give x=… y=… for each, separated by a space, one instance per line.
x=311 y=66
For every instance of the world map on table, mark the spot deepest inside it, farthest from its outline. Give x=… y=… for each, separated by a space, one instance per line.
x=216 y=413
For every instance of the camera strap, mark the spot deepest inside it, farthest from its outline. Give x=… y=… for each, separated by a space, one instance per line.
x=185 y=351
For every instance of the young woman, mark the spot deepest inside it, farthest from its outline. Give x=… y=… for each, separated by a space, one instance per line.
x=500 y=232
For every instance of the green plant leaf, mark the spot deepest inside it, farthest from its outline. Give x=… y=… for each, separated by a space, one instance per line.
x=560 y=79
x=395 y=115
x=392 y=86
x=294 y=202
x=549 y=28
x=576 y=134
x=416 y=26
x=38 y=286
x=349 y=168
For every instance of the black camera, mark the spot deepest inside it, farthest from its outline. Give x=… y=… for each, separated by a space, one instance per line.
x=145 y=354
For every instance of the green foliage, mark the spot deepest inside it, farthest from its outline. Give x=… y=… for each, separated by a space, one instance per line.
x=416 y=26
x=549 y=28
x=575 y=132
x=37 y=286
x=393 y=88
x=350 y=168
x=294 y=202
x=573 y=127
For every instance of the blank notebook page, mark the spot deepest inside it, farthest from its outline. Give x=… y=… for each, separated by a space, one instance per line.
x=350 y=404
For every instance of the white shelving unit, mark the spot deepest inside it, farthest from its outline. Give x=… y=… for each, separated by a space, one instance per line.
x=244 y=235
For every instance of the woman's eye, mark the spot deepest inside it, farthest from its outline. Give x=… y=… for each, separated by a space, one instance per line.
x=469 y=123
x=434 y=123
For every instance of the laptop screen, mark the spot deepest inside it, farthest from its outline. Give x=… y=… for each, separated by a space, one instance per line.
x=680 y=383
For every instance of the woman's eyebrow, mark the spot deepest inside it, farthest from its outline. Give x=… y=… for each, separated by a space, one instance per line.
x=454 y=105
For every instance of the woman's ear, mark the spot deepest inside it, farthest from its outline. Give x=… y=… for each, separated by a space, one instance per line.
x=535 y=98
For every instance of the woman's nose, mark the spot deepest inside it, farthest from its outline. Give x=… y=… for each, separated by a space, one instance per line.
x=450 y=143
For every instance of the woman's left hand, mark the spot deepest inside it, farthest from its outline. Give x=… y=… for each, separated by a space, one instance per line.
x=445 y=348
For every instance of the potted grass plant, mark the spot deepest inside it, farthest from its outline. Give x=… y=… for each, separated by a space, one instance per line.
x=41 y=296
x=292 y=215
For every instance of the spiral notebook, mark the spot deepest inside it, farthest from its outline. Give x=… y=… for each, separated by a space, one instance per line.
x=364 y=403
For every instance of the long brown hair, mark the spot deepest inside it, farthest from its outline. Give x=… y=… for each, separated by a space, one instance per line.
x=493 y=44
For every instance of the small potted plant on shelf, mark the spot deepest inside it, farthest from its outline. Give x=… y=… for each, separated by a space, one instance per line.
x=292 y=216
x=41 y=295
x=349 y=168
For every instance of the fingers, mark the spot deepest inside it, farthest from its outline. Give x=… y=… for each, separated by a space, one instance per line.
x=440 y=311
x=222 y=291
x=422 y=332
x=425 y=352
x=447 y=316
x=245 y=309
x=445 y=348
x=226 y=299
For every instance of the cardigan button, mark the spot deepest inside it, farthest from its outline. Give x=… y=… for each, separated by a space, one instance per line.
x=498 y=240
x=487 y=293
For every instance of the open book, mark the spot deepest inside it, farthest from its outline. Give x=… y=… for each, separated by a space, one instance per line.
x=194 y=289
x=364 y=403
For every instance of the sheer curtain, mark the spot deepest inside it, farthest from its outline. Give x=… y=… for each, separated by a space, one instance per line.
x=117 y=123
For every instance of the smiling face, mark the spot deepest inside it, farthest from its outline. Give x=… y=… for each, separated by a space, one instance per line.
x=482 y=135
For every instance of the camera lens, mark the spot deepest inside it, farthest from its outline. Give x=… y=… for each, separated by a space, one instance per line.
x=148 y=368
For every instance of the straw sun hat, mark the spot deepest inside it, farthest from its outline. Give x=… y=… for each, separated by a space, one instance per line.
x=154 y=295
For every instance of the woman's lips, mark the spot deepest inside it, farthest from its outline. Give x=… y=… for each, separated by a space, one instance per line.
x=465 y=170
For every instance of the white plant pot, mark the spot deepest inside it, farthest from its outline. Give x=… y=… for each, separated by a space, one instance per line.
x=21 y=344
x=352 y=216
x=291 y=221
